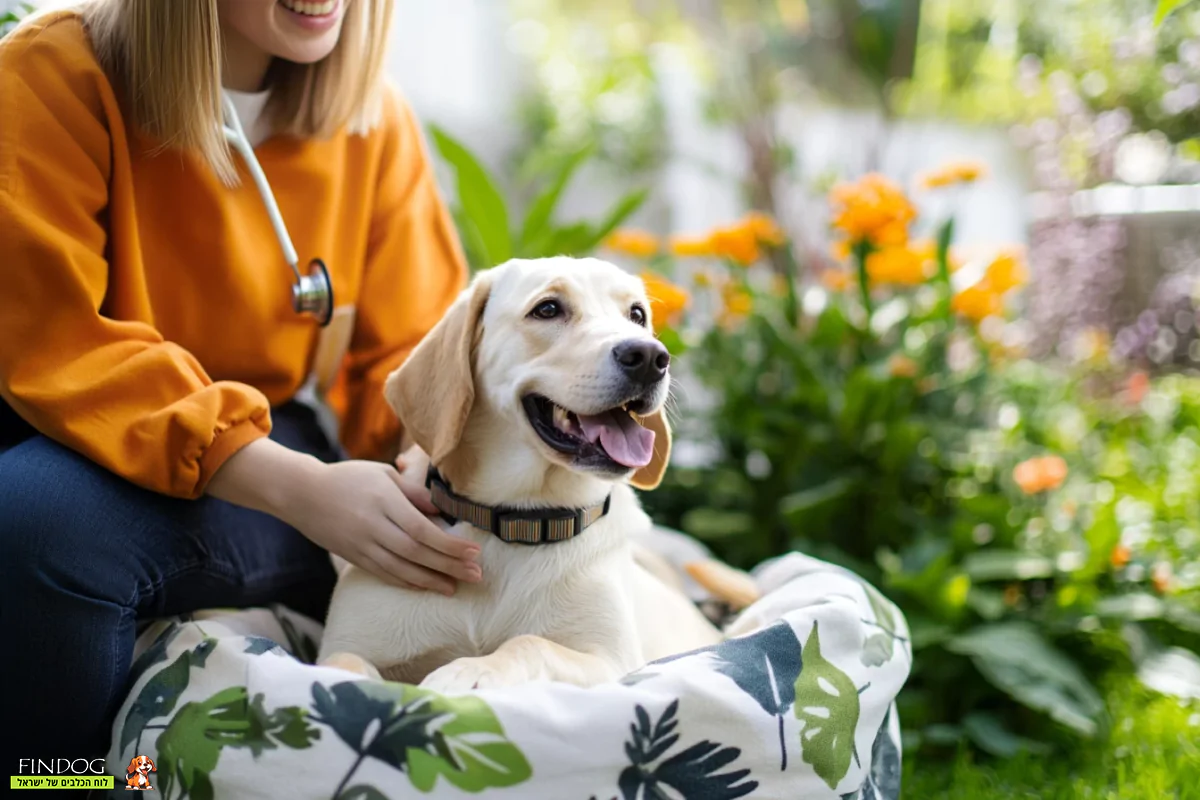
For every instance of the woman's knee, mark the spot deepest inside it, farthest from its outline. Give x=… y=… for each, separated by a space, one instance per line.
x=56 y=517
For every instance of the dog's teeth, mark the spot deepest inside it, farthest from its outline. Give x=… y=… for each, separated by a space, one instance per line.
x=562 y=420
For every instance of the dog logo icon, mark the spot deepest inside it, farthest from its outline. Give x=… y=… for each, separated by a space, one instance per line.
x=137 y=774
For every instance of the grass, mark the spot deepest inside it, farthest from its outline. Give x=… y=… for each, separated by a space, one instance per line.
x=1152 y=751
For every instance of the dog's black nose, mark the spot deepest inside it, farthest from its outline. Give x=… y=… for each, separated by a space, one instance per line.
x=644 y=361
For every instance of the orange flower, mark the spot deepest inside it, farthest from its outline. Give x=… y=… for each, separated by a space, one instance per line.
x=977 y=302
x=873 y=208
x=667 y=301
x=691 y=246
x=736 y=305
x=839 y=249
x=1160 y=577
x=1006 y=272
x=900 y=265
x=1137 y=387
x=953 y=172
x=737 y=300
x=738 y=243
x=632 y=242
x=765 y=228
x=901 y=366
x=1041 y=474
x=890 y=235
x=1120 y=556
x=836 y=280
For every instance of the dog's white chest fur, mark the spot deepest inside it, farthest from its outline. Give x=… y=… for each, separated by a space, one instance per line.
x=577 y=591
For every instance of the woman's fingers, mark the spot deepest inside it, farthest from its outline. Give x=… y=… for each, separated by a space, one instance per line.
x=378 y=571
x=422 y=531
x=416 y=493
x=404 y=571
x=406 y=545
x=463 y=570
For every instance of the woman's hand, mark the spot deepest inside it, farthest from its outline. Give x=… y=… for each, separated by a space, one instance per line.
x=363 y=511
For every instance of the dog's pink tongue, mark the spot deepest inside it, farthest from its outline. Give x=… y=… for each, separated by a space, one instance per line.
x=626 y=442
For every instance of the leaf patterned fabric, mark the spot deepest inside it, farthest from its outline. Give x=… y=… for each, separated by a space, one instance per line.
x=798 y=703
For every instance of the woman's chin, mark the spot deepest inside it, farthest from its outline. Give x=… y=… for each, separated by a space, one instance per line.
x=309 y=52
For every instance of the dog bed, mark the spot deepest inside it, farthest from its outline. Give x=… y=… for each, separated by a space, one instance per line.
x=798 y=703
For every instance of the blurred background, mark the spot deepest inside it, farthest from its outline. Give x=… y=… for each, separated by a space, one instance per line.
x=930 y=269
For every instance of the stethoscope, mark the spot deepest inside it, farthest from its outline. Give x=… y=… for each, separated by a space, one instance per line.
x=312 y=294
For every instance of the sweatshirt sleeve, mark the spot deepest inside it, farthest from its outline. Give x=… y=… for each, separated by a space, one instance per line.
x=415 y=268
x=112 y=390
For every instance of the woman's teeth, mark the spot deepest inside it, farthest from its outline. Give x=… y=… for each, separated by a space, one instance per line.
x=310 y=9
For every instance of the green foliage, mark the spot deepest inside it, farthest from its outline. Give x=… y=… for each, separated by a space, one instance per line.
x=1152 y=752
x=483 y=216
x=889 y=440
x=1113 y=56
x=10 y=18
x=1165 y=7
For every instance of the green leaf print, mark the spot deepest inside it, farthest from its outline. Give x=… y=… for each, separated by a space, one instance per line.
x=693 y=771
x=157 y=651
x=257 y=645
x=190 y=746
x=160 y=694
x=879 y=647
x=472 y=751
x=362 y=791
x=302 y=645
x=827 y=707
x=421 y=733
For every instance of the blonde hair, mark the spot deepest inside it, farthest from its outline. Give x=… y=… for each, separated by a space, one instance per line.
x=166 y=57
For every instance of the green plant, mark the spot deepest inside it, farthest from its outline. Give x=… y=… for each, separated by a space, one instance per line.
x=1037 y=523
x=10 y=18
x=483 y=216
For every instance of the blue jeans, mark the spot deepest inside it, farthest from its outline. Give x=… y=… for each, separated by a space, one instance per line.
x=86 y=555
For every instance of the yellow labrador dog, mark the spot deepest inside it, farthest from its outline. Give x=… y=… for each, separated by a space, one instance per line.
x=539 y=400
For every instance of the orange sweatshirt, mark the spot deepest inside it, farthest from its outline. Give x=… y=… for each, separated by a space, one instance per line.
x=145 y=308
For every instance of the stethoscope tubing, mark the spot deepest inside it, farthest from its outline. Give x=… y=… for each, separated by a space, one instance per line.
x=236 y=136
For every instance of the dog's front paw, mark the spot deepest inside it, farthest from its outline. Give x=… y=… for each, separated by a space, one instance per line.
x=464 y=674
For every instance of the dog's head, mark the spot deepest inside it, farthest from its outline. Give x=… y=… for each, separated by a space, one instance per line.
x=552 y=356
x=142 y=764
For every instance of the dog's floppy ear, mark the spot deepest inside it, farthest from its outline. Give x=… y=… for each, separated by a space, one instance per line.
x=433 y=390
x=152 y=767
x=132 y=765
x=650 y=476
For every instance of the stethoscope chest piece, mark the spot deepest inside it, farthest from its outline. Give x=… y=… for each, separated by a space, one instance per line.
x=313 y=293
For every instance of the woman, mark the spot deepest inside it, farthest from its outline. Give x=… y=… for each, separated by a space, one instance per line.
x=153 y=459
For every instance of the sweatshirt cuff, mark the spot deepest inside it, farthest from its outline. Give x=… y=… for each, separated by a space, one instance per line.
x=226 y=443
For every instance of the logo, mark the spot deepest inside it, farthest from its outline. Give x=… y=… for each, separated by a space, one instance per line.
x=61 y=773
x=137 y=774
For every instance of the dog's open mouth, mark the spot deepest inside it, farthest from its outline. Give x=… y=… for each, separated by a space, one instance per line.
x=612 y=439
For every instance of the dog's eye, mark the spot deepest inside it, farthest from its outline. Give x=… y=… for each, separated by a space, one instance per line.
x=638 y=315
x=547 y=309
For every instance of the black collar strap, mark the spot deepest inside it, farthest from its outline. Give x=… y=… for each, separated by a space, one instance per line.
x=530 y=526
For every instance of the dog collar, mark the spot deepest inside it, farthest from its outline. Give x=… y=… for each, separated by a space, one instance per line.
x=515 y=526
